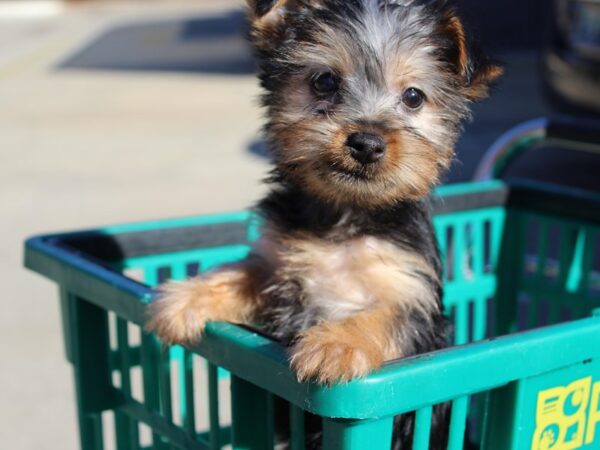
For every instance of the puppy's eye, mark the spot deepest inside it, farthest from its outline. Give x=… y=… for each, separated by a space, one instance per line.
x=413 y=98
x=326 y=83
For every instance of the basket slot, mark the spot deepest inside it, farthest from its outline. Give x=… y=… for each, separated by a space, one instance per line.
x=422 y=428
x=213 y=407
x=358 y=435
x=480 y=309
x=542 y=249
x=587 y=262
x=297 y=438
x=126 y=429
x=163 y=274
x=192 y=269
x=470 y=318
x=90 y=353
x=181 y=391
x=581 y=271
x=460 y=252
x=497 y=219
x=486 y=249
x=186 y=389
x=449 y=266
x=569 y=266
x=252 y=416
x=476 y=231
x=164 y=379
x=461 y=323
x=178 y=271
x=441 y=231
x=91 y=432
x=458 y=422
x=533 y=311
x=151 y=275
x=150 y=366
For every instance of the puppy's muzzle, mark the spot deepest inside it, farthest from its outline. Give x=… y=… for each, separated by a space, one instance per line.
x=366 y=148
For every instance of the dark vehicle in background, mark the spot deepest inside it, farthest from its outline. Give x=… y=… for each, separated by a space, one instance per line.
x=571 y=60
x=564 y=149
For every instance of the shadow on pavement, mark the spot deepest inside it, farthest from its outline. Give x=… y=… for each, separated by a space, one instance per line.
x=211 y=45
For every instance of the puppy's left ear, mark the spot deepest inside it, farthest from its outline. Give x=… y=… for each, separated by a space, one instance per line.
x=266 y=18
x=476 y=73
x=265 y=11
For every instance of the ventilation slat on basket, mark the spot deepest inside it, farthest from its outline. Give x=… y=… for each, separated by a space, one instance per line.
x=422 y=428
x=476 y=249
x=358 y=435
x=213 y=406
x=480 y=317
x=496 y=231
x=164 y=376
x=127 y=430
x=151 y=275
x=458 y=422
x=252 y=415
x=588 y=263
x=566 y=256
x=461 y=323
x=533 y=311
x=186 y=390
x=150 y=366
x=460 y=252
x=178 y=271
x=297 y=439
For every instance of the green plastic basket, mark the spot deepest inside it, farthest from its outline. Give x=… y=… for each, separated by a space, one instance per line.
x=521 y=287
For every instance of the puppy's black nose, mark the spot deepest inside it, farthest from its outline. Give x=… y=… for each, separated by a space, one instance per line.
x=366 y=148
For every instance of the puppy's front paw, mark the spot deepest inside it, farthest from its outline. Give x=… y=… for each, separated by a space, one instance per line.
x=180 y=312
x=329 y=354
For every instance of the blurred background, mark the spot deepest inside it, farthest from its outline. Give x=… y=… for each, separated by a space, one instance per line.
x=118 y=111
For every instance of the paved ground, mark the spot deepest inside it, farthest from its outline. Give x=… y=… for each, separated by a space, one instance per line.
x=125 y=111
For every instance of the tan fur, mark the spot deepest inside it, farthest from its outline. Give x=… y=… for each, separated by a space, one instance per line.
x=343 y=279
x=182 y=310
x=347 y=349
x=480 y=87
x=455 y=28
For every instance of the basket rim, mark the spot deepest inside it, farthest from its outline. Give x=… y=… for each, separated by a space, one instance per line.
x=478 y=366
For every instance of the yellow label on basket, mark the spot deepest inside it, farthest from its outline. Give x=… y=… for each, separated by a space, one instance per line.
x=566 y=417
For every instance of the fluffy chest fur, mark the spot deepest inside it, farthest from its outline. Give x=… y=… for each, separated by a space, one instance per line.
x=318 y=279
x=338 y=279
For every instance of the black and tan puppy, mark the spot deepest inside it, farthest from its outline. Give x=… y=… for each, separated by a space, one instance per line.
x=365 y=100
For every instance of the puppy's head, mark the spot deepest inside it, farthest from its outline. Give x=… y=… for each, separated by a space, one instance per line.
x=365 y=97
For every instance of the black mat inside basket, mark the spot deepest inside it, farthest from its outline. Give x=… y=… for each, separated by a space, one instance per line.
x=113 y=248
x=470 y=201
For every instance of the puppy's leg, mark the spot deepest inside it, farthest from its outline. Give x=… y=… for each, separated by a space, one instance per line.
x=404 y=320
x=342 y=350
x=182 y=309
